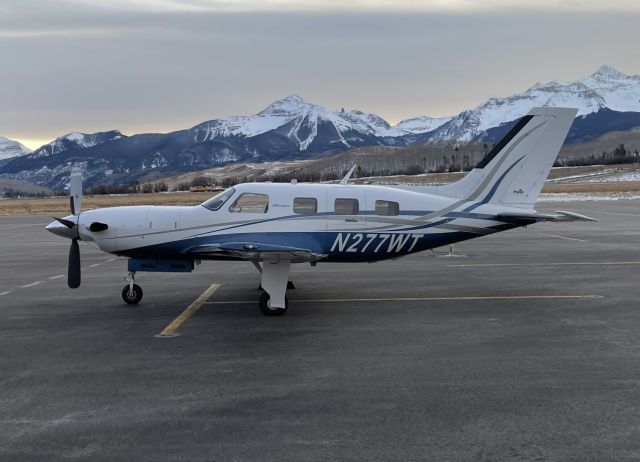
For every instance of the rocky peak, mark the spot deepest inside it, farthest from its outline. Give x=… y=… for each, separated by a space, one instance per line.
x=607 y=72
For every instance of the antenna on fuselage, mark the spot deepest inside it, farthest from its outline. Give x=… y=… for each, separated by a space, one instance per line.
x=346 y=178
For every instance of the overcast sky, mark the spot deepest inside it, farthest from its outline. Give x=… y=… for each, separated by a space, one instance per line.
x=162 y=65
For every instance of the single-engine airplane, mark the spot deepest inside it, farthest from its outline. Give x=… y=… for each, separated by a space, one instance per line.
x=279 y=224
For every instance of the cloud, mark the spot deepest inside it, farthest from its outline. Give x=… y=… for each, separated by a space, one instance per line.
x=318 y=6
x=146 y=66
x=399 y=6
x=62 y=18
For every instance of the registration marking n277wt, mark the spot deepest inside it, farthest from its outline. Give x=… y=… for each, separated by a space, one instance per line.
x=359 y=242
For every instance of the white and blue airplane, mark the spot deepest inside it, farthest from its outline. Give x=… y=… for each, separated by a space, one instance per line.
x=274 y=225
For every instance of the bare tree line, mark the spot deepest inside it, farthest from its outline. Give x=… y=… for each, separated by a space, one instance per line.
x=376 y=161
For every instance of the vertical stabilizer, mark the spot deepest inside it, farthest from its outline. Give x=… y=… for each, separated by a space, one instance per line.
x=515 y=170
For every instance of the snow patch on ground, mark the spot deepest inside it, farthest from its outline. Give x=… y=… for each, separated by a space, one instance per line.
x=571 y=197
x=615 y=178
x=609 y=175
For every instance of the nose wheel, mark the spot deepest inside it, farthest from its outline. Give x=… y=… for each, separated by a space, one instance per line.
x=131 y=293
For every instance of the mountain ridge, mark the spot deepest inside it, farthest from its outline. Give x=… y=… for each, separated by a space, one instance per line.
x=607 y=88
x=292 y=128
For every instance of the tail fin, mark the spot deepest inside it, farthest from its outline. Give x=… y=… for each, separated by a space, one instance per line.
x=515 y=170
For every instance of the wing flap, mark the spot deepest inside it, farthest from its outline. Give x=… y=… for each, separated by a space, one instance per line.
x=256 y=251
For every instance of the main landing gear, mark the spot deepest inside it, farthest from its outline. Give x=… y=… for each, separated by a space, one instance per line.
x=265 y=305
x=275 y=281
x=131 y=293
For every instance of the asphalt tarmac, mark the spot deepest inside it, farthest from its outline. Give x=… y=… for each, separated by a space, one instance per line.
x=525 y=345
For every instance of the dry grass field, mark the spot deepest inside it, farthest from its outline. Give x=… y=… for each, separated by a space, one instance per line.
x=59 y=206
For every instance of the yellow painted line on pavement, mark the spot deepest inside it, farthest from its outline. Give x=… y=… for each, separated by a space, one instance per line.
x=418 y=299
x=172 y=329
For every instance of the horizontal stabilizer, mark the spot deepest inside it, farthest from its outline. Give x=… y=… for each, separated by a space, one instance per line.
x=572 y=216
x=534 y=217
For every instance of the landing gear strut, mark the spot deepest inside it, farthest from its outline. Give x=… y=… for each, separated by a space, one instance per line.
x=131 y=293
x=290 y=284
x=274 y=282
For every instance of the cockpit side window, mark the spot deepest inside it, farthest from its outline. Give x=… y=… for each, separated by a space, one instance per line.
x=218 y=200
x=251 y=203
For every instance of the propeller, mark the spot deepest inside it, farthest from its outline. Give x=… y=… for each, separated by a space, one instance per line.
x=69 y=227
x=75 y=203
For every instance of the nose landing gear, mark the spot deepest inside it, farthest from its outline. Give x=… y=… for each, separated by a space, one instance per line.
x=131 y=293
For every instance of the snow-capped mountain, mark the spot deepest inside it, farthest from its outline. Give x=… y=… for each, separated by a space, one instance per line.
x=307 y=124
x=289 y=128
x=607 y=88
x=301 y=122
x=10 y=148
x=418 y=125
x=75 y=141
x=292 y=128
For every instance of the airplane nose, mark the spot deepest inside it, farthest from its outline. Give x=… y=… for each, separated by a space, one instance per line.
x=62 y=230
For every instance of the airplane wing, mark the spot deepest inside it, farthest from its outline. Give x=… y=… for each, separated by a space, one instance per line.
x=529 y=218
x=255 y=251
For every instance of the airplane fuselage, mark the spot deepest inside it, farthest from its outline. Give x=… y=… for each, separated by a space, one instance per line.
x=341 y=223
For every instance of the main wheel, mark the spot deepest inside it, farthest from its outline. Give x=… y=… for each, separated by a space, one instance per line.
x=132 y=296
x=265 y=306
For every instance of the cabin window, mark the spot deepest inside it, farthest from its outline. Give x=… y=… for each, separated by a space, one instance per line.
x=387 y=208
x=251 y=203
x=218 y=200
x=346 y=206
x=305 y=205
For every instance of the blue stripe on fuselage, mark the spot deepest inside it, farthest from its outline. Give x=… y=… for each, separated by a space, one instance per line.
x=354 y=245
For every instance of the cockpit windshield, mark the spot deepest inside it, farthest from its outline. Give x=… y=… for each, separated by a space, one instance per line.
x=219 y=199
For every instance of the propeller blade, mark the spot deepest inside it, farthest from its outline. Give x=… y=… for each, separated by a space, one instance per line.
x=73 y=276
x=62 y=221
x=75 y=190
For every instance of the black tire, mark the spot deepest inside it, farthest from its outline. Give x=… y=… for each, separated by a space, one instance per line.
x=133 y=296
x=265 y=306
